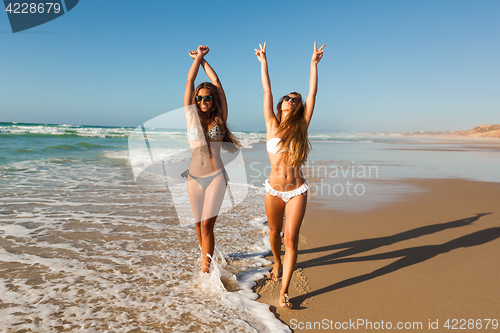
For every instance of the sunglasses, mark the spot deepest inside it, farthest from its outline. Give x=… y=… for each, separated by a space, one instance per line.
x=294 y=99
x=199 y=98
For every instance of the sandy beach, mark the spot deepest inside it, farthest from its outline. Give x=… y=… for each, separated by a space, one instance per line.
x=428 y=258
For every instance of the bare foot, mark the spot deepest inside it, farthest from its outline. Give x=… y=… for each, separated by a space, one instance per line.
x=205 y=264
x=285 y=301
x=274 y=275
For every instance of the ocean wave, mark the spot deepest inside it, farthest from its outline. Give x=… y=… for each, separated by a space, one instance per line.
x=247 y=138
x=25 y=151
x=63 y=160
x=87 y=145
x=93 y=239
x=62 y=147
x=48 y=130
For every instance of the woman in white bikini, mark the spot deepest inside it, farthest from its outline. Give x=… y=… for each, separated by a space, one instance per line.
x=288 y=147
x=206 y=115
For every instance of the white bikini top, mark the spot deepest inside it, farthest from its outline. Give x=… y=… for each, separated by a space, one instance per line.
x=213 y=134
x=273 y=146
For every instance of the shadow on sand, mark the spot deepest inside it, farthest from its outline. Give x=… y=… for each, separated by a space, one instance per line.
x=409 y=256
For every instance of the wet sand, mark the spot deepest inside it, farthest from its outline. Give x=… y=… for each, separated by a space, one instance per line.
x=433 y=255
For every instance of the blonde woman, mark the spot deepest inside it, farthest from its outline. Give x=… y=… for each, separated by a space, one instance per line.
x=288 y=147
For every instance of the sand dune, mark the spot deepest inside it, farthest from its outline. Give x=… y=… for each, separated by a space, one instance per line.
x=483 y=131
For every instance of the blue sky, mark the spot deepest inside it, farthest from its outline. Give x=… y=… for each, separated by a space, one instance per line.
x=388 y=65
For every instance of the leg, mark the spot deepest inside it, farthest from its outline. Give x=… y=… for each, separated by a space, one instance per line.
x=275 y=209
x=196 y=194
x=295 y=211
x=214 y=195
x=207 y=242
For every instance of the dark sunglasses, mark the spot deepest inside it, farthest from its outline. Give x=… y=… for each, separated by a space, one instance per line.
x=294 y=99
x=199 y=98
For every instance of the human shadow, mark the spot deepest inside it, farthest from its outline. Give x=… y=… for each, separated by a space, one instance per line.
x=409 y=257
x=364 y=245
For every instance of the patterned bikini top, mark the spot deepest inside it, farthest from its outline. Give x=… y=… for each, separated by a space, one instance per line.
x=213 y=134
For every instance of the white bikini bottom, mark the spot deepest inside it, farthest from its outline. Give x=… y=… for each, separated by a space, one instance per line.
x=286 y=196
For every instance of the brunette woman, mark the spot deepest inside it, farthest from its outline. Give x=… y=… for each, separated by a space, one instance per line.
x=206 y=115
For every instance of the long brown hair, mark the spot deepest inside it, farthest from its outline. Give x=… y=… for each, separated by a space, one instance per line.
x=294 y=140
x=216 y=114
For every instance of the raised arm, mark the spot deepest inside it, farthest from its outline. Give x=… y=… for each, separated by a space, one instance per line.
x=313 y=83
x=193 y=72
x=212 y=76
x=269 y=116
x=215 y=81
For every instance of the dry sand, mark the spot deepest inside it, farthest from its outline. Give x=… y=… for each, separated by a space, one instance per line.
x=433 y=256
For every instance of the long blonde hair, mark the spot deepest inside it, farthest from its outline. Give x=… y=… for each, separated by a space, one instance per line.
x=293 y=131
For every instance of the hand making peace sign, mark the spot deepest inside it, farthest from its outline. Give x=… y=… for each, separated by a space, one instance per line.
x=261 y=54
x=317 y=54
